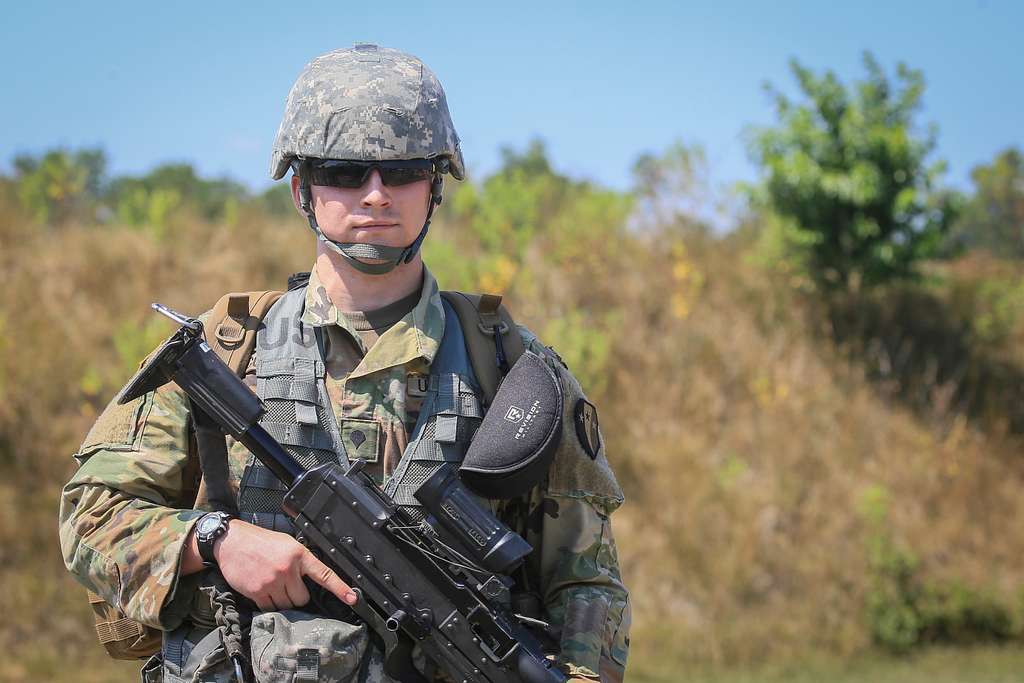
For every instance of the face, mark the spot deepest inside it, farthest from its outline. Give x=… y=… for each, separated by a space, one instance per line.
x=372 y=214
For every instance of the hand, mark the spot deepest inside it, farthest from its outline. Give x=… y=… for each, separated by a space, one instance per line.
x=267 y=567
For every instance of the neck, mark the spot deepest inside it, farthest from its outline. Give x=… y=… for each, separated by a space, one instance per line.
x=354 y=290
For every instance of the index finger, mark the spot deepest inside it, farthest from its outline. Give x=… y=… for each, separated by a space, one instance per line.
x=325 y=576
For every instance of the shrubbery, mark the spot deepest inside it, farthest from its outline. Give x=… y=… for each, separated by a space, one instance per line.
x=848 y=172
x=906 y=609
x=744 y=419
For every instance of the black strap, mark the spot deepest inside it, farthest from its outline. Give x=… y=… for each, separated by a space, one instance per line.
x=213 y=459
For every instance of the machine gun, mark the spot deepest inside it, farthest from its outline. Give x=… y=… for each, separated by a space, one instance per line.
x=438 y=583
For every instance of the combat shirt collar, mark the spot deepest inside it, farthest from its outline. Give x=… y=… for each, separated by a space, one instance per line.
x=417 y=335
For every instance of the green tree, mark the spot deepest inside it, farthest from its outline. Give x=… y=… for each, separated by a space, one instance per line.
x=276 y=200
x=993 y=218
x=848 y=173
x=137 y=200
x=60 y=185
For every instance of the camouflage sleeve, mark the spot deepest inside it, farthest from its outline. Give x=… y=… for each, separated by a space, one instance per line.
x=580 y=583
x=121 y=531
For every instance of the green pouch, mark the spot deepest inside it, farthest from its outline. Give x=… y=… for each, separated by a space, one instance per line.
x=292 y=646
x=195 y=655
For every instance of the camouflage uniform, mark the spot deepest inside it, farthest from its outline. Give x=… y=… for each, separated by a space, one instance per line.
x=123 y=530
x=122 y=523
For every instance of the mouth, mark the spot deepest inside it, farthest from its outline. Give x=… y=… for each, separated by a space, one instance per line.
x=375 y=225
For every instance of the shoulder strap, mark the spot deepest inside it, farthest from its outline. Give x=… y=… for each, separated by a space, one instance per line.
x=231 y=328
x=492 y=338
x=231 y=332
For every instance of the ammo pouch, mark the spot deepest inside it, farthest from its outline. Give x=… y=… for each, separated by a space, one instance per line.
x=290 y=646
x=121 y=637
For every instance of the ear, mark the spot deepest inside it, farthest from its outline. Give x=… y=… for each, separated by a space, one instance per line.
x=295 y=195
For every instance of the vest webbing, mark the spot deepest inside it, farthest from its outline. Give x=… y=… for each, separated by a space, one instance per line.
x=487 y=338
x=489 y=334
x=452 y=410
x=290 y=380
x=491 y=337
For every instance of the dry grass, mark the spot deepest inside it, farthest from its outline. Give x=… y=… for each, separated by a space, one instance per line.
x=746 y=442
x=941 y=665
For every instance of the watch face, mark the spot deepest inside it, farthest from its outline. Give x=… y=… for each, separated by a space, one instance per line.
x=207 y=525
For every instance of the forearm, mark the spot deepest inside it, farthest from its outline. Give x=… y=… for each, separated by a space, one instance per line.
x=127 y=550
x=585 y=598
x=122 y=529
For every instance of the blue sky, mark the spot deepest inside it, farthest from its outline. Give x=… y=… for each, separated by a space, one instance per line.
x=601 y=82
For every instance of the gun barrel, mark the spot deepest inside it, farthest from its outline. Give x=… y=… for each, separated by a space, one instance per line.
x=268 y=451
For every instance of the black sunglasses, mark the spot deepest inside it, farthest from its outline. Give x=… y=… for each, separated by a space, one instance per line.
x=353 y=174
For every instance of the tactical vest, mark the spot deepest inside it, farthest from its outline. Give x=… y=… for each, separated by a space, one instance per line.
x=291 y=382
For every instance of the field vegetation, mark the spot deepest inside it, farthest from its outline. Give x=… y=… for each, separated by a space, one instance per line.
x=817 y=423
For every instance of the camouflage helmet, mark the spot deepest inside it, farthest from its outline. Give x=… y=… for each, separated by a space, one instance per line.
x=366 y=103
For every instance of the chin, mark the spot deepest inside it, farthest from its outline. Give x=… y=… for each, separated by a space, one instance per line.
x=380 y=235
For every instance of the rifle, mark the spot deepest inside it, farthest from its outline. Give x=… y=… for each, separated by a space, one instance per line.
x=438 y=583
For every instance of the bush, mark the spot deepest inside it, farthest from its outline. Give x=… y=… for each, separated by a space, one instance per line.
x=849 y=175
x=906 y=611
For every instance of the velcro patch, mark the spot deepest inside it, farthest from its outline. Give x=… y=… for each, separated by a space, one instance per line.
x=587 y=427
x=416 y=386
x=361 y=438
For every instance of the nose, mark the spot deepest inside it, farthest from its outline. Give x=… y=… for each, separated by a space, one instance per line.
x=375 y=192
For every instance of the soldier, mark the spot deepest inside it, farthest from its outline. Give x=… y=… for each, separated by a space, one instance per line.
x=368 y=136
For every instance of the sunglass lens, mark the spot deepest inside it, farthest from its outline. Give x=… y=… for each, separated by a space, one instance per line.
x=402 y=175
x=353 y=175
x=347 y=176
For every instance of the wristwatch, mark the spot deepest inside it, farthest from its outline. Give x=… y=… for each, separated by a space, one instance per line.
x=209 y=528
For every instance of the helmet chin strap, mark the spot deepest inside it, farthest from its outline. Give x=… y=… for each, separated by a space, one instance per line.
x=389 y=257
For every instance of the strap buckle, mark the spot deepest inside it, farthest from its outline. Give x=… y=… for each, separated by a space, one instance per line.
x=501 y=328
x=238 y=315
x=229 y=338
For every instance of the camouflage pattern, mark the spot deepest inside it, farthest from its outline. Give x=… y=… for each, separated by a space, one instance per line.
x=294 y=646
x=369 y=388
x=369 y=103
x=122 y=527
x=567 y=522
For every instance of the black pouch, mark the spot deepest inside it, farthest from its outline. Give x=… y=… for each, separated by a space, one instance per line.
x=192 y=653
x=516 y=442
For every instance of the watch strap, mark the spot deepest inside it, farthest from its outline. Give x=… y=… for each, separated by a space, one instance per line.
x=206 y=540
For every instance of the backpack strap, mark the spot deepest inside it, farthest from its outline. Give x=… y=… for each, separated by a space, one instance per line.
x=492 y=338
x=230 y=332
x=231 y=328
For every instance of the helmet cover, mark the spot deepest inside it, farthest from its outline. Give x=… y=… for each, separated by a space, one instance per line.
x=366 y=103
